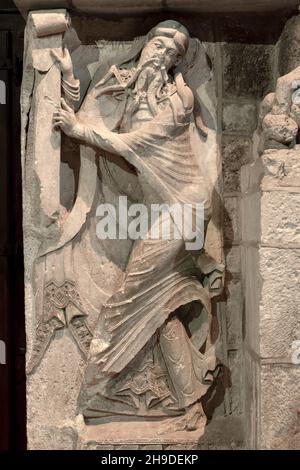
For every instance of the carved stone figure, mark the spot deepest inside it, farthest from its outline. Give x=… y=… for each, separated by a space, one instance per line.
x=280 y=114
x=125 y=329
x=140 y=311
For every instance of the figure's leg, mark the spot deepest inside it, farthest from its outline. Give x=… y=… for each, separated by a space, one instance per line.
x=176 y=348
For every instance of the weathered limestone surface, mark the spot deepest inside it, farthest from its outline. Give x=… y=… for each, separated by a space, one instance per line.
x=280 y=407
x=271 y=253
x=235 y=153
x=234 y=312
x=267 y=226
x=266 y=324
x=280 y=305
x=97 y=356
x=231 y=221
x=247 y=74
x=135 y=435
x=279 y=116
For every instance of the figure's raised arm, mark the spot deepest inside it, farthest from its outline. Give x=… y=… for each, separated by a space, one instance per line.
x=67 y=121
x=70 y=85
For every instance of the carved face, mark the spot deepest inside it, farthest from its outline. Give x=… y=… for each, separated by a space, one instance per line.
x=163 y=51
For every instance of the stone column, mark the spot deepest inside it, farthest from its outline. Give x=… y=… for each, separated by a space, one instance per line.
x=271 y=264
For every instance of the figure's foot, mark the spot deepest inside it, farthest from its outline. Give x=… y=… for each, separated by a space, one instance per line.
x=193 y=419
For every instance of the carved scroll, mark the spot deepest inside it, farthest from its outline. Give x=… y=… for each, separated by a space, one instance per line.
x=43 y=33
x=41 y=150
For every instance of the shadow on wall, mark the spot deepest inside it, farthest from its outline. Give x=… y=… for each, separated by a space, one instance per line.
x=215 y=396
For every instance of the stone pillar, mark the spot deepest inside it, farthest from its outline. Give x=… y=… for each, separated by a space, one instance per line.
x=271 y=264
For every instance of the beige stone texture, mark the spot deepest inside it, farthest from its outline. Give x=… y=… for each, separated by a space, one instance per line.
x=280 y=302
x=72 y=274
x=271 y=271
x=251 y=224
x=252 y=281
x=280 y=218
x=280 y=396
x=280 y=128
x=234 y=313
x=236 y=364
x=271 y=187
x=233 y=259
x=136 y=435
x=231 y=219
x=258 y=320
x=282 y=169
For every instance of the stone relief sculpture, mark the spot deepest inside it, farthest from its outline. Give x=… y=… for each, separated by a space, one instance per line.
x=280 y=114
x=140 y=311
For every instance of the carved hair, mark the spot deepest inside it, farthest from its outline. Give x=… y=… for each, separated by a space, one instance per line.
x=175 y=30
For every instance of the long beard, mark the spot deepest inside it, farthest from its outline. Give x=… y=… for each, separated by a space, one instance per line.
x=149 y=83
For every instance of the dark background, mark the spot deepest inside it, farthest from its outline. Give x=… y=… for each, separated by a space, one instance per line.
x=12 y=324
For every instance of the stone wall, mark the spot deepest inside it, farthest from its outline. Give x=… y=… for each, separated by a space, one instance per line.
x=248 y=58
x=271 y=257
x=247 y=75
x=246 y=67
x=271 y=262
x=248 y=61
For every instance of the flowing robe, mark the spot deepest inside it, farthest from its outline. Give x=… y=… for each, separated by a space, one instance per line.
x=161 y=275
x=143 y=359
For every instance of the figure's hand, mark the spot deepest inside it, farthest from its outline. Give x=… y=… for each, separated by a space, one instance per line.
x=64 y=62
x=65 y=119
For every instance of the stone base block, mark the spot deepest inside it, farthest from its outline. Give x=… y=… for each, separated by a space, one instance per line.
x=143 y=435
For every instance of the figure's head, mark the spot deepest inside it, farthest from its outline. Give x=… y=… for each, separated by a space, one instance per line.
x=167 y=44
